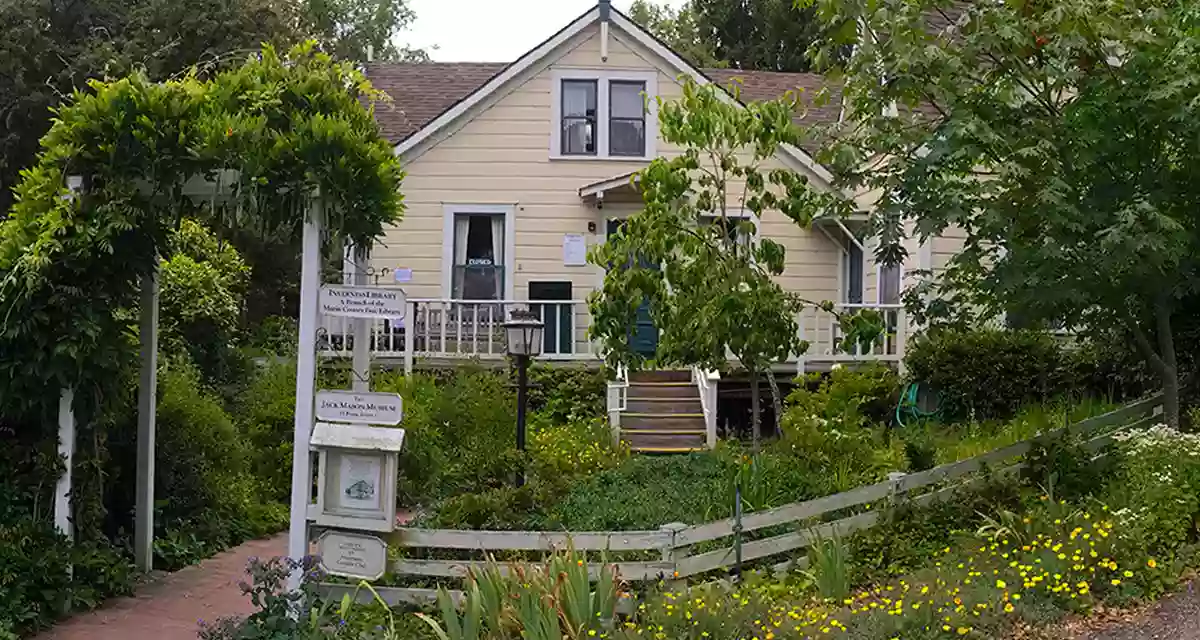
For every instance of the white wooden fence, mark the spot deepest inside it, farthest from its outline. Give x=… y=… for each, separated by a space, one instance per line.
x=672 y=544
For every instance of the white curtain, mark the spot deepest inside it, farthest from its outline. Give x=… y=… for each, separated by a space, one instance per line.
x=498 y=253
x=461 y=225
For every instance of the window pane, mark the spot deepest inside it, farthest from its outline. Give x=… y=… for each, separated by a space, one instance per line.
x=627 y=138
x=626 y=99
x=579 y=98
x=854 y=274
x=889 y=285
x=578 y=136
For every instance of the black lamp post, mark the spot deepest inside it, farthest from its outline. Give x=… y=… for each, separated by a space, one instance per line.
x=524 y=342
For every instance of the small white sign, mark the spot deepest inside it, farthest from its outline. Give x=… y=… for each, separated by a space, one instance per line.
x=360 y=481
x=363 y=438
x=403 y=274
x=352 y=555
x=574 y=250
x=362 y=302
x=359 y=408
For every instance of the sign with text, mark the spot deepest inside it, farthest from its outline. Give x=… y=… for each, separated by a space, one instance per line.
x=359 y=408
x=362 y=302
x=352 y=555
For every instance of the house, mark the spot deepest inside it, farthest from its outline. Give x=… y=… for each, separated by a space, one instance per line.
x=514 y=169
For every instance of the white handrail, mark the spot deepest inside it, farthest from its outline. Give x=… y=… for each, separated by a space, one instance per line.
x=706 y=383
x=617 y=399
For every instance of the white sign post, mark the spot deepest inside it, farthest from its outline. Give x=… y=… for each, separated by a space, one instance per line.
x=362 y=302
x=352 y=555
x=359 y=408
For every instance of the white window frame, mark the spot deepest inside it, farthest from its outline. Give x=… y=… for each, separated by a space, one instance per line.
x=843 y=281
x=739 y=214
x=603 y=79
x=509 y=211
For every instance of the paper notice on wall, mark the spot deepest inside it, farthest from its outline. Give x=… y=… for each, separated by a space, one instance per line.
x=574 y=250
x=403 y=274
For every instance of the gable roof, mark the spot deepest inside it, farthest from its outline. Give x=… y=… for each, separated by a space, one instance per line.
x=454 y=107
x=421 y=91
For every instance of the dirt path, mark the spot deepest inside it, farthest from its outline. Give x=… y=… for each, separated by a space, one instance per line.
x=1176 y=617
x=169 y=608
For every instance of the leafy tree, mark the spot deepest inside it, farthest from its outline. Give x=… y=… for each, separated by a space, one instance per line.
x=203 y=288
x=708 y=285
x=766 y=35
x=1060 y=135
x=52 y=48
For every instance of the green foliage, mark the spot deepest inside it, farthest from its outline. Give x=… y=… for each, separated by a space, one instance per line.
x=202 y=288
x=460 y=433
x=830 y=567
x=1049 y=133
x=266 y=417
x=1156 y=494
x=560 y=394
x=36 y=586
x=206 y=498
x=763 y=35
x=563 y=452
x=70 y=266
x=846 y=396
x=988 y=373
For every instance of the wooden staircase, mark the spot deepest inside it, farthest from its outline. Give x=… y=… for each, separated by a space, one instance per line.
x=663 y=413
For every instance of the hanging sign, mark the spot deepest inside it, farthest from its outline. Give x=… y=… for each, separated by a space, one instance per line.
x=359 y=408
x=352 y=555
x=362 y=302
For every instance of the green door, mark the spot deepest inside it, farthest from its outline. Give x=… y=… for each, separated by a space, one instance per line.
x=645 y=335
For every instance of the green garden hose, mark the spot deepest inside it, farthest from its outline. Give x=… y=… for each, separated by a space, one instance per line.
x=908 y=405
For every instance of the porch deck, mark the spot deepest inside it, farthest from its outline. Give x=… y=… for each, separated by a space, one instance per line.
x=447 y=332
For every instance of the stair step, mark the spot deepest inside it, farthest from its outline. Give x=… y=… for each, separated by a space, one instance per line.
x=640 y=440
x=664 y=405
x=633 y=414
x=660 y=422
x=665 y=432
x=667 y=449
x=662 y=375
x=663 y=390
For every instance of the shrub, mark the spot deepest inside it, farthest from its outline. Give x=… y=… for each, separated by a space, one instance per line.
x=562 y=394
x=562 y=452
x=847 y=397
x=266 y=415
x=35 y=586
x=460 y=433
x=988 y=373
x=1156 y=493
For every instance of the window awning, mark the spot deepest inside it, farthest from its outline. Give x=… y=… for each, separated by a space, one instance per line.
x=847 y=228
x=624 y=186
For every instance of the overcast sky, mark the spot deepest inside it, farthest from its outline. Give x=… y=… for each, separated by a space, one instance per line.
x=491 y=30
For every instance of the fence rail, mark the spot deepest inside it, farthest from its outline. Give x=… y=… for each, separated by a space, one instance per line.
x=673 y=542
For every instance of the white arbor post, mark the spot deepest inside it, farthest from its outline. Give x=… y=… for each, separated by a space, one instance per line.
x=306 y=371
x=143 y=526
x=356 y=274
x=66 y=449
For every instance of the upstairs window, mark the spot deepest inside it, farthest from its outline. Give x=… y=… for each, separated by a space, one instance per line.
x=579 y=117
x=626 y=118
x=603 y=114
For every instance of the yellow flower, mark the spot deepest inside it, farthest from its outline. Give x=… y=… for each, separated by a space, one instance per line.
x=1008 y=608
x=962 y=631
x=1151 y=563
x=1116 y=582
x=1000 y=584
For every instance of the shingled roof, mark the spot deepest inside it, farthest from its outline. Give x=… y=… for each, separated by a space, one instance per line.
x=421 y=91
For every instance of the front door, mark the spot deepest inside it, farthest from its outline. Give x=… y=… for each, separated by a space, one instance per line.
x=644 y=339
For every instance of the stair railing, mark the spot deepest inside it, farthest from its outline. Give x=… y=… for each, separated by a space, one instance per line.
x=706 y=382
x=617 y=399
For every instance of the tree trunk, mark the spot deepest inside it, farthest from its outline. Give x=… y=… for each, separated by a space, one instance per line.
x=1163 y=361
x=1170 y=372
x=776 y=401
x=755 y=417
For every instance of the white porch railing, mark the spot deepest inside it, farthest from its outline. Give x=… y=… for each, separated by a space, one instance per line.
x=463 y=329
x=824 y=334
x=447 y=330
x=707 y=383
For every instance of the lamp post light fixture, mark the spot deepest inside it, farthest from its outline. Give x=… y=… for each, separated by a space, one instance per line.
x=524 y=333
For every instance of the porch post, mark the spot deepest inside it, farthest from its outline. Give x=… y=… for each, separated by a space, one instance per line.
x=306 y=370
x=361 y=364
x=66 y=449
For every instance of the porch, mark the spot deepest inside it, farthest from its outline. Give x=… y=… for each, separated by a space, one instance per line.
x=448 y=332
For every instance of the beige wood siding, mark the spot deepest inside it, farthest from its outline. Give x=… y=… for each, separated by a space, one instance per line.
x=501 y=157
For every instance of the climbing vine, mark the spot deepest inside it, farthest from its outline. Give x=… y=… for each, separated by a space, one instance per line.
x=275 y=129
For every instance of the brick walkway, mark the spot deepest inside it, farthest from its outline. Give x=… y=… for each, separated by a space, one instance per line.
x=169 y=608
